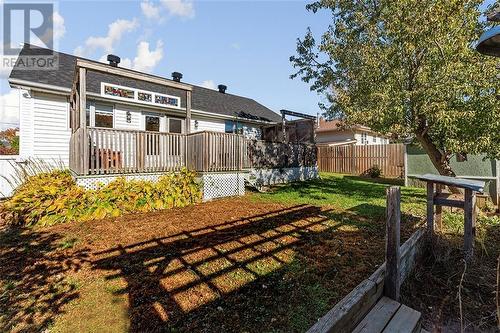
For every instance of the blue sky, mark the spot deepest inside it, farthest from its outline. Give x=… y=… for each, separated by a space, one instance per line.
x=245 y=45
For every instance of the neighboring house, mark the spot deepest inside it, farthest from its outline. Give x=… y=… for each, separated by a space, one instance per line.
x=101 y=120
x=335 y=133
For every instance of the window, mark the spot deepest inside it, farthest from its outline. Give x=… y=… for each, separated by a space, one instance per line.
x=364 y=140
x=144 y=97
x=233 y=127
x=103 y=115
x=374 y=139
x=229 y=125
x=166 y=100
x=153 y=141
x=118 y=91
x=140 y=96
x=174 y=125
x=87 y=113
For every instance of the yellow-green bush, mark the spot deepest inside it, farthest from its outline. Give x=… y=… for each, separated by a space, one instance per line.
x=54 y=197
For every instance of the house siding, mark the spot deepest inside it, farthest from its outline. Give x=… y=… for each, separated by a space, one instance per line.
x=342 y=136
x=204 y=124
x=336 y=136
x=25 y=124
x=120 y=115
x=51 y=130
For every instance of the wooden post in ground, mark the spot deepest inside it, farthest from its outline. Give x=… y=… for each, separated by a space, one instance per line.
x=439 y=209
x=470 y=223
x=430 y=207
x=393 y=220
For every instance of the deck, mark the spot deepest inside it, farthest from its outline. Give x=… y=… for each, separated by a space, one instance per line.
x=389 y=316
x=99 y=151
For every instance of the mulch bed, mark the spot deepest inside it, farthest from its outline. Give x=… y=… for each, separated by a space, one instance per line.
x=229 y=265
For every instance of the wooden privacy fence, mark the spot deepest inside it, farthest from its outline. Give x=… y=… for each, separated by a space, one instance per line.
x=357 y=159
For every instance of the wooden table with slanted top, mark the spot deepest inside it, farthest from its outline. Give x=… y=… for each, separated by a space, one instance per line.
x=435 y=197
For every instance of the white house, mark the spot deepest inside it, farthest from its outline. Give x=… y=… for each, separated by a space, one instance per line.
x=101 y=120
x=335 y=133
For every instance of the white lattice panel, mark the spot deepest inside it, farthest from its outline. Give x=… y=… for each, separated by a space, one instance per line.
x=219 y=185
x=215 y=185
x=281 y=176
x=92 y=182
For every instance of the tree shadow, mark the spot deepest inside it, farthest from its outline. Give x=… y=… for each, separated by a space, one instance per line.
x=33 y=288
x=237 y=275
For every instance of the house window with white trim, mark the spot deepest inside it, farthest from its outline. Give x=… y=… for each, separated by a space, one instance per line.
x=374 y=139
x=364 y=139
x=175 y=125
x=103 y=115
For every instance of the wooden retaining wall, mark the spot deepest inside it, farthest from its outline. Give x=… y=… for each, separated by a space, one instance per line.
x=349 y=312
x=357 y=159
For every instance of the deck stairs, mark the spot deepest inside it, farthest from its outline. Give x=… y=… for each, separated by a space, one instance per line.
x=389 y=316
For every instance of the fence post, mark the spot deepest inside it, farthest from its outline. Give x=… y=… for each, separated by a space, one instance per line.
x=393 y=216
x=497 y=183
x=405 y=164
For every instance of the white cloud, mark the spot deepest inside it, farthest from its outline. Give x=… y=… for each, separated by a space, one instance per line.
x=115 y=32
x=182 y=8
x=145 y=60
x=9 y=109
x=126 y=63
x=59 y=27
x=236 y=46
x=150 y=10
x=210 y=84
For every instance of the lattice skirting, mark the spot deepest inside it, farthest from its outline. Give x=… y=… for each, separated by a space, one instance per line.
x=215 y=185
x=91 y=182
x=268 y=177
x=219 y=185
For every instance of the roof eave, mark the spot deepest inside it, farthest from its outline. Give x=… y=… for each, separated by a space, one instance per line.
x=17 y=83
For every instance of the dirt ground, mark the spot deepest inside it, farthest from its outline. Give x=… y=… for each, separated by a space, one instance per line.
x=442 y=282
x=229 y=265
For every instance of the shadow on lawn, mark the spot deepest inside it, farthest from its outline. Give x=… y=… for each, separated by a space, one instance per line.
x=33 y=288
x=282 y=269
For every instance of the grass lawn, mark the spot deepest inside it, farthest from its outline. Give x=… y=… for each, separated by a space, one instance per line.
x=263 y=262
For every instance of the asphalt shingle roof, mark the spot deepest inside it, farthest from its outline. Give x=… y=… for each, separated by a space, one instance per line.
x=203 y=99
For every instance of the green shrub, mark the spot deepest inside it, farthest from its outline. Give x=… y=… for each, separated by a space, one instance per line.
x=53 y=197
x=373 y=172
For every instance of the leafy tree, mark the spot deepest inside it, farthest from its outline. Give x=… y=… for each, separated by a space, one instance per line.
x=407 y=67
x=9 y=142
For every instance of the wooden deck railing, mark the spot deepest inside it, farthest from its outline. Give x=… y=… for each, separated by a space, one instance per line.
x=214 y=151
x=109 y=151
x=129 y=151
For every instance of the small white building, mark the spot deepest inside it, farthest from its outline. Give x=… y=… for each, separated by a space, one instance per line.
x=335 y=133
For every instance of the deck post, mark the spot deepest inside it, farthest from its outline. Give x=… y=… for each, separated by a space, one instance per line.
x=188 y=112
x=430 y=207
x=470 y=223
x=439 y=208
x=392 y=245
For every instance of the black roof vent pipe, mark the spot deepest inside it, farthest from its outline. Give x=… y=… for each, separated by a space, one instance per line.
x=113 y=60
x=222 y=88
x=177 y=76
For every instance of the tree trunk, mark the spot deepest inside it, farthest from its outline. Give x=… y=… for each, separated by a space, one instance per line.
x=438 y=158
